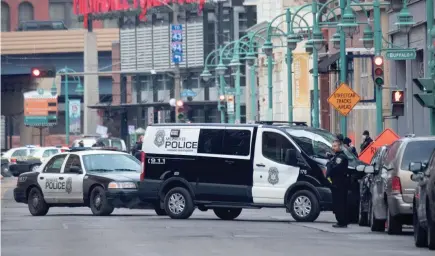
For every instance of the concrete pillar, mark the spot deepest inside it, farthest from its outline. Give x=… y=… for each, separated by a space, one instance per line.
x=91 y=92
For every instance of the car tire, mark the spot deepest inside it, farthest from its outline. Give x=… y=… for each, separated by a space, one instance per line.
x=304 y=206
x=430 y=231
x=99 y=204
x=420 y=234
x=34 y=168
x=394 y=226
x=36 y=203
x=227 y=213
x=179 y=203
x=159 y=211
x=363 y=218
x=375 y=224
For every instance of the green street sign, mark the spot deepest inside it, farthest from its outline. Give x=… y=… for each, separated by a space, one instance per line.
x=40 y=120
x=400 y=54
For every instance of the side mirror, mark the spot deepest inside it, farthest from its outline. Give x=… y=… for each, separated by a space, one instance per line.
x=75 y=169
x=415 y=167
x=416 y=177
x=290 y=156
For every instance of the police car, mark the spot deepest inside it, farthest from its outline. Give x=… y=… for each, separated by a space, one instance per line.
x=227 y=167
x=99 y=179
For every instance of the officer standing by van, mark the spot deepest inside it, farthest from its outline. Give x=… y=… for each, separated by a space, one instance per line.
x=337 y=174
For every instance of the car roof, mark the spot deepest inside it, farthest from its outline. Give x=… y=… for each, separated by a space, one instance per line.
x=420 y=138
x=297 y=125
x=96 y=152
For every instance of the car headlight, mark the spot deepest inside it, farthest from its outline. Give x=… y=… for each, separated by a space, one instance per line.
x=122 y=185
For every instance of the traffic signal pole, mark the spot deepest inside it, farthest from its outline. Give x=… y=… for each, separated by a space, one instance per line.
x=177 y=73
x=378 y=49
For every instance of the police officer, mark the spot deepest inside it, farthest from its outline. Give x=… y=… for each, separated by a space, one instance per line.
x=337 y=174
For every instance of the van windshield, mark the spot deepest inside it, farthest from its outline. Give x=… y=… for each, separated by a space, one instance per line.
x=316 y=143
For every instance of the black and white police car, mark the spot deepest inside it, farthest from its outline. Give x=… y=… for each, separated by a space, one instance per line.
x=227 y=167
x=100 y=179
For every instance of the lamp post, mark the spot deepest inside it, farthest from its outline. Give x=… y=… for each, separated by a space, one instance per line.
x=430 y=67
x=79 y=89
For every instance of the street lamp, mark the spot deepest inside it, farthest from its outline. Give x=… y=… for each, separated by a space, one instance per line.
x=368 y=37
x=221 y=69
x=206 y=75
x=268 y=48
x=292 y=41
x=405 y=21
x=250 y=58
x=309 y=46
x=317 y=40
x=235 y=64
x=348 y=22
x=336 y=40
x=396 y=5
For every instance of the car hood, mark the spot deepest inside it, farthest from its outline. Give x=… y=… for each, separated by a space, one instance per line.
x=118 y=176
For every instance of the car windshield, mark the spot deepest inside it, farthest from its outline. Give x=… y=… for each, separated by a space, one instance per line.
x=37 y=152
x=417 y=151
x=316 y=143
x=111 y=162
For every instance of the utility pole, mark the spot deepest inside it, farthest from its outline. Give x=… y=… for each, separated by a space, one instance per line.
x=218 y=45
x=177 y=72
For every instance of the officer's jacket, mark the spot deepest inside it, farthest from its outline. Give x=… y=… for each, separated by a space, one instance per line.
x=337 y=166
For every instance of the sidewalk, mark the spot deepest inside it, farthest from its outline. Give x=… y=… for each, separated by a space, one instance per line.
x=6 y=184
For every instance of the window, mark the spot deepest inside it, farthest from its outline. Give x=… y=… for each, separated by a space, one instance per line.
x=111 y=162
x=117 y=144
x=6 y=19
x=275 y=146
x=25 y=12
x=211 y=141
x=50 y=152
x=392 y=152
x=55 y=164
x=113 y=23
x=73 y=160
x=417 y=151
x=60 y=11
x=19 y=152
x=57 y=11
x=237 y=142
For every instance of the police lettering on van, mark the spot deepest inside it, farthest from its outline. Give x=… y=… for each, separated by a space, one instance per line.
x=226 y=168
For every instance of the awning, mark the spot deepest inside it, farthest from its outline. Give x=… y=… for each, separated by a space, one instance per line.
x=325 y=62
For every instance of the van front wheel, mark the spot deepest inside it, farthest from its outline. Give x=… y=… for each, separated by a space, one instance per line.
x=227 y=213
x=304 y=206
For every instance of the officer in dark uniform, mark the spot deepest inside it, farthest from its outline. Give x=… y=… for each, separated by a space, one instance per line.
x=337 y=174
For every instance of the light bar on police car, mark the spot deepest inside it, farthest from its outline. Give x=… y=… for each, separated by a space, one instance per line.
x=122 y=185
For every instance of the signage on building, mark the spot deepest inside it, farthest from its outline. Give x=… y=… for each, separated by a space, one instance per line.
x=301 y=80
x=177 y=43
x=344 y=99
x=74 y=116
x=40 y=108
x=400 y=54
x=387 y=137
x=188 y=93
x=86 y=7
x=230 y=104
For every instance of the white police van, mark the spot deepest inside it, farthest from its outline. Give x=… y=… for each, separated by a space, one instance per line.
x=228 y=167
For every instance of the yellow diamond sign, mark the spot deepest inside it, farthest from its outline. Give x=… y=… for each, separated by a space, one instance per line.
x=344 y=99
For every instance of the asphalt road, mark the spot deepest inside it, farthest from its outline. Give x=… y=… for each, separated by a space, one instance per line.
x=268 y=232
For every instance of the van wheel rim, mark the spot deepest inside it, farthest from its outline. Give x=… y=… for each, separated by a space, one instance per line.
x=177 y=203
x=302 y=206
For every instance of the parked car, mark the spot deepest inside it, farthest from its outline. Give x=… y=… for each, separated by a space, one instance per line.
x=424 y=203
x=116 y=143
x=376 y=181
x=34 y=160
x=14 y=154
x=392 y=199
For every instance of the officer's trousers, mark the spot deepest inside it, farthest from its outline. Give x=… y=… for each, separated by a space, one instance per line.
x=339 y=201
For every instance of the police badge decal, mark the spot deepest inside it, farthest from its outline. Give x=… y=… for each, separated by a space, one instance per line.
x=68 y=185
x=273 y=176
x=159 y=140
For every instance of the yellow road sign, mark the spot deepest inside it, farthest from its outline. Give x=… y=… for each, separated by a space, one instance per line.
x=344 y=99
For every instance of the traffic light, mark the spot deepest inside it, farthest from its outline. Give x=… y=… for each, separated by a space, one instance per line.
x=222 y=103
x=180 y=111
x=427 y=86
x=378 y=62
x=43 y=72
x=398 y=102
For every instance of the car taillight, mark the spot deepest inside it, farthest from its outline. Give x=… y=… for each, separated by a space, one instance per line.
x=13 y=160
x=396 y=187
x=142 y=159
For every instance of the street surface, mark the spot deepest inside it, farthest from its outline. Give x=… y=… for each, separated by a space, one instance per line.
x=267 y=232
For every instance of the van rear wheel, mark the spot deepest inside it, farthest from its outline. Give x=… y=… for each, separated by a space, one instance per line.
x=179 y=203
x=304 y=206
x=227 y=213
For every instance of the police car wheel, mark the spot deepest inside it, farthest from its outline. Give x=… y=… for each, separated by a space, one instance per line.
x=304 y=206
x=34 y=168
x=420 y=234
x=159 y=211
x=36 y=203
x=363 y=219
x=100 y=206
x=179 y=203
x=227 y=213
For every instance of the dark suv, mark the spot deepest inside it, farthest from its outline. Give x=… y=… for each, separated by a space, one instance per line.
x=424 y=202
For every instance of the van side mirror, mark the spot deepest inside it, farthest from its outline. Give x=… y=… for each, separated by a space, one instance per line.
x=75 y=169
x=290 y=156
x=415 y=167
